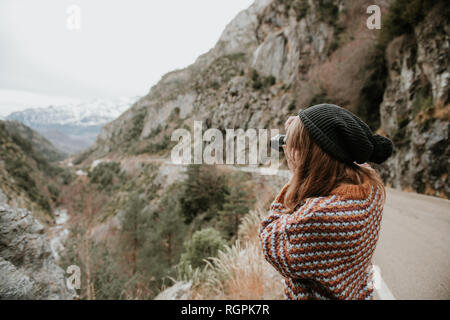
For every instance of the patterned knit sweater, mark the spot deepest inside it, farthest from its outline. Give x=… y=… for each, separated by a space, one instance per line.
x=324 y=248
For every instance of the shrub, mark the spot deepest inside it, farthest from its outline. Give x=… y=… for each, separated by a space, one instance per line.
x=105 y=174
x=137 y=126
x=399 y=136
x=236 y=272
x=318 y=98
x=301 y=8
x=338 y=38
x=402 y=17
x=44 y=204
x=66 y=177
x=423 y=100
x=54 y=191
x=269 y=81
x=204 y=244
x=291 y=106
x=328 y=12
x=259 y=82
x=156 y=131
x=155 y=147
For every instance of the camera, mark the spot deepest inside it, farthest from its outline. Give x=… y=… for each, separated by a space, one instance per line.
x=278 y=142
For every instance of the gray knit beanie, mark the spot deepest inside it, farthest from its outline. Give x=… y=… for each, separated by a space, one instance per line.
x=343 y=135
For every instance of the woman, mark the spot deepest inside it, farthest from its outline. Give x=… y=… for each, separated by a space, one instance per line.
x=323 y=226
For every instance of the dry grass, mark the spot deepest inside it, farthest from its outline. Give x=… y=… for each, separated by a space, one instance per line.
x=239 y=272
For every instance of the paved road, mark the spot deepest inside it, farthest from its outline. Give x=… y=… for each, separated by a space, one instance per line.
x=413 y=252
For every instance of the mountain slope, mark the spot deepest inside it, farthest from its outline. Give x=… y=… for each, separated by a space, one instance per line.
x=40 y=145
x=27 y=177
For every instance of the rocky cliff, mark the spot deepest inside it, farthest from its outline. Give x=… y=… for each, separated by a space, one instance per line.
x=281 y=55
x=27 y=267
x=415 y=109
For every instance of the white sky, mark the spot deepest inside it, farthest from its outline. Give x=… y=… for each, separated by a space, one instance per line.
x=122 y=48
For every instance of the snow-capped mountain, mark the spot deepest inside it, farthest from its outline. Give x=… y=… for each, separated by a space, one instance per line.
x=75 y=126
x=92 y=113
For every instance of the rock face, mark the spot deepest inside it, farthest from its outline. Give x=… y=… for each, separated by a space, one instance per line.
x=281 y=55
x=415 y=110
x=27 y=267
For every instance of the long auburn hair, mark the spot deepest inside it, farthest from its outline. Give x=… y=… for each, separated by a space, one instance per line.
x=316 y=173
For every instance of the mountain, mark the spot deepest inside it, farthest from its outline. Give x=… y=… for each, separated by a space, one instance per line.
x=72 y=127
x=40 y=144
x=28 y=178
x=281 y=55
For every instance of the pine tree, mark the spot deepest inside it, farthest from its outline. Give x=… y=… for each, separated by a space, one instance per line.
x=203 y=188
x=133 y=229
x=165 y=234
x=237 y=204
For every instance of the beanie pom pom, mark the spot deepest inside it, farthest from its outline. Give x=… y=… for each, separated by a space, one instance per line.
x=382 y=149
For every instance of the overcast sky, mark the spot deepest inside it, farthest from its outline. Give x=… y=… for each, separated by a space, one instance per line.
x=122 y=48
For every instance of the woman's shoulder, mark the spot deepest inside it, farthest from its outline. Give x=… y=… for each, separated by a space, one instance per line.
x=361 y=195
x=353 y=191
x=345 y=199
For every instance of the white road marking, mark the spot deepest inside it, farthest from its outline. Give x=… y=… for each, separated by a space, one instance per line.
x=380 y=286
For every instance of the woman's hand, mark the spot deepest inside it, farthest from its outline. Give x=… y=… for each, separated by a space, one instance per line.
x=289 y=121
x=289 y=156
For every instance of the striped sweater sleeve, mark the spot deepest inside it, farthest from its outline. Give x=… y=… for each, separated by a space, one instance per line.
x=286 y=238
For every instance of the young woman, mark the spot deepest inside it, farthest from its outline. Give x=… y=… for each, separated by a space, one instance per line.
x=323 y=226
